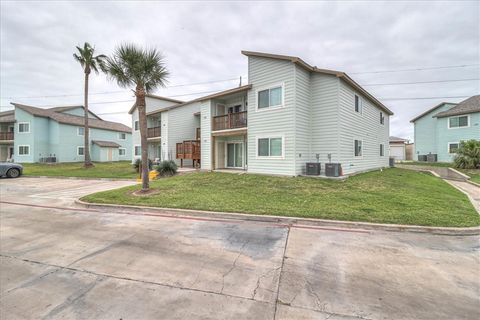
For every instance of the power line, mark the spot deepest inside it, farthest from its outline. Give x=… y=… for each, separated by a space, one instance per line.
x=418 y=69
x=424 y=98
x=418 y=82
x=122 y=91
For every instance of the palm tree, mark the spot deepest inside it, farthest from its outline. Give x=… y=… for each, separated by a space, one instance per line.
x=143 y=69
x=88 y=62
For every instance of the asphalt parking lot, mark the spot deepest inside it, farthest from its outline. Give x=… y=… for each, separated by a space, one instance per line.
x=62 y=262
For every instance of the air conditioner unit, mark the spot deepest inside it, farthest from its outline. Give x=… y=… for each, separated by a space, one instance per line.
x=313 y=168
x=431 y=157
x=422 y=157
x=333 y=169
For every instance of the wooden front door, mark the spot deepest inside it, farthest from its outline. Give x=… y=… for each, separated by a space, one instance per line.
x=109 y=154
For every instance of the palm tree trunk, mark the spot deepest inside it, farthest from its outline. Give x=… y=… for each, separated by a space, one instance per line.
x=86 y=145
x=142 y=119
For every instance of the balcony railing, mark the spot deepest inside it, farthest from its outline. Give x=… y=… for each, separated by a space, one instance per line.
x=230 y=121
x=153 y=132
x=189 y=149
x=6 y=135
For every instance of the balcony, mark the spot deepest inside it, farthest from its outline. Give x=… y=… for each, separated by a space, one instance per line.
x=188 y=149
x=230 y=121
x=154 y=132
x=5 y=136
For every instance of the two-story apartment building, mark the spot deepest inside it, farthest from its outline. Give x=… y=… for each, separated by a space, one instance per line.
x=439 y=130
x=31 y=134
x=288 y=114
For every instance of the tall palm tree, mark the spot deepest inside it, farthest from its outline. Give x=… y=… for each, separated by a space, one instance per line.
x=89 y=62
x=143 y=69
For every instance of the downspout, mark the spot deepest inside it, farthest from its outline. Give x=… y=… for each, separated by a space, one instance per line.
x=294 y=119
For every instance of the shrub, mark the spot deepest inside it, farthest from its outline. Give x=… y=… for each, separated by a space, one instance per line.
x=136 y=164
x=167 y=168
x=468 y=155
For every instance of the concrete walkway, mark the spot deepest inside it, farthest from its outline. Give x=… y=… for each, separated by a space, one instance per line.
x=471 y=190
x=454 y=178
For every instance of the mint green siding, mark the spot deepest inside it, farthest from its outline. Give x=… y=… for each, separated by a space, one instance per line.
x=432 y=134
x=80 y=112
x=50 y=138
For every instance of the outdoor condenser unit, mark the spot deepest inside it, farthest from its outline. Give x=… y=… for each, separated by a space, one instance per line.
x=333 y=169
x=432 y=157
x=313 y=168
x=422 y=157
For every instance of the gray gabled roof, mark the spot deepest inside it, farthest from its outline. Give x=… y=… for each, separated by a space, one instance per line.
x=155 y=97
x=339 y=74
x=7 y=116
x=470 y=105
x=397 y=139
x=73 y=120
x=109 y=144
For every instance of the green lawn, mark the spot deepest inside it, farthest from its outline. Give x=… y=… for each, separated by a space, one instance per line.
x=120 y=170
x=390 y=196
x=473 y=173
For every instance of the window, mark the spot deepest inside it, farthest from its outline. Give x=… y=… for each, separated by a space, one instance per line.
x=382 y=118
x=81 y=131
x=453 y=147
x=270 y=147
x=136 y=125
x=358 y=104
x=358 y=148
x=382 y=150
x=122 y=136
x=122 y=152
x=23 y=150
x=80 y=151
x=138 y=151
x=458 y=122
x=270 y=98
x=24 y=127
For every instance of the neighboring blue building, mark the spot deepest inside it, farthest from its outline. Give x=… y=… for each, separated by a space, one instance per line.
x=57 y=135
x=440 y=129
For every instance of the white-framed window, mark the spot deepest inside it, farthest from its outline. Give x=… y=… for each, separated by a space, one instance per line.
x=122 y=136
x=24 y=127
x=122 y=152
x=270 y=147
x=80 y=151
x=138 y=150
x=459 y=122
x=270 y=97
x=136 y=125
x=358 y=103
x=24 y=150
x=453 y=147
x=382 y=118
x=358 y=149
x=382 y=149
x=80 y=131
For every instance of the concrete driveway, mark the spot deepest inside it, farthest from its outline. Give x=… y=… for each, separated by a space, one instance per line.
x=60 y=262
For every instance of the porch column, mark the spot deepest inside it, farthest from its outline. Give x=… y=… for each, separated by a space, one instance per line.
x=213 y=152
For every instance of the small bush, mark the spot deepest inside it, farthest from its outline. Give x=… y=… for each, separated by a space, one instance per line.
x=137 y=163
x=468 y=155
x=167 y=168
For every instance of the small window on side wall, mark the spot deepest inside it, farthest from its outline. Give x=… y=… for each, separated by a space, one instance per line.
x=122 y=152
x=358 y=104
x=382 y=150
x=80 y=151
x=358 y=148
x=270 y=147
x=458 y=122
x=138 y=151
x=122 y=136
x=453 y=147
x=136 y=125
x=382 y=118
x=270 y=98
x=81 y=131
x=24 y=127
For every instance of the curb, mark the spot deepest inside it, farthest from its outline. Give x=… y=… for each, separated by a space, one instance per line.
x=474 y=183
x=79 y=178
x=288 y=221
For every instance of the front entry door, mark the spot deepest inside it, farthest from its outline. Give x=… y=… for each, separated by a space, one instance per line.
x=109 y=154
x=235 y=155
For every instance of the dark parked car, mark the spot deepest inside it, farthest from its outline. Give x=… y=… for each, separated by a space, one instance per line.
x=11 y=170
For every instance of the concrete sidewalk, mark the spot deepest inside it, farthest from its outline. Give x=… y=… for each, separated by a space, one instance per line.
x=472 y=191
